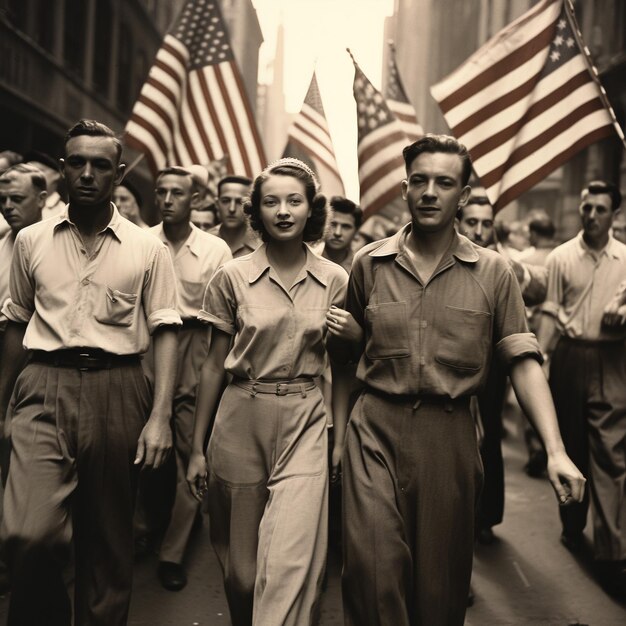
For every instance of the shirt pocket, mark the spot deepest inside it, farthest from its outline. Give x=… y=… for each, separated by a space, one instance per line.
x=115 y=308
x=465 y=338
x=388 y=331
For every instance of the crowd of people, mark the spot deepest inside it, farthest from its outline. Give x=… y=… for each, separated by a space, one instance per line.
x=275 y=354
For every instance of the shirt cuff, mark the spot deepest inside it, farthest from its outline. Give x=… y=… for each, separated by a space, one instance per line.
x=551 y=308
x=220 y=324
x=16 y=313
x=517 y=346
x=163 y=317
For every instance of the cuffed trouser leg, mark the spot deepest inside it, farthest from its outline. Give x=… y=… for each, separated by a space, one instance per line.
x=268 y=504
x=192 y=350
x=74 y=436
x=410 y=483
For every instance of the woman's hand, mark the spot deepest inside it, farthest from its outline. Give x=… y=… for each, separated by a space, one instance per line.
x=341 y=324
x=196 y=475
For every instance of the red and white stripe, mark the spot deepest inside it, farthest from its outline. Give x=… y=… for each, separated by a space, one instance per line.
x=517 y=124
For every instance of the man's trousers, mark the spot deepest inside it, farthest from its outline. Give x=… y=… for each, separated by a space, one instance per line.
x=411 y=477
x=588 y=383
x=74 y=439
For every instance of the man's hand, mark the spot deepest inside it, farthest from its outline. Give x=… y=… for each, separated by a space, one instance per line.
x=566 y=479
x=155 y=443
x=196 y=475
x=341 y=324
x=335 y=471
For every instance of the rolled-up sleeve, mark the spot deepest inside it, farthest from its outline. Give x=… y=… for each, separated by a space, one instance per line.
x=20 y=306
x=159 y=297
x=512 y=339
x=219 y=306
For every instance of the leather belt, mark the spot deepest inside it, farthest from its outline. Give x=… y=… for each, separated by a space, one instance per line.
x=83 y=358
x=193 y=322
x=418 y=400
x=276 y=387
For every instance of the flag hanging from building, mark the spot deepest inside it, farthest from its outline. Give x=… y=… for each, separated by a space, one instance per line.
x=398 y=102
x=309 y=138
x=381 y=140
x=193 y=108
x=526 y=102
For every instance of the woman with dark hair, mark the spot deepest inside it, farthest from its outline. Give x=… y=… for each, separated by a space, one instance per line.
x=267 y=456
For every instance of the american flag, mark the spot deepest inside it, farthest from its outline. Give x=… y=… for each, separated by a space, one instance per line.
x=309 y=138
x=526 y=102
x=381 y=139
x=193 y=107
x=398 y=101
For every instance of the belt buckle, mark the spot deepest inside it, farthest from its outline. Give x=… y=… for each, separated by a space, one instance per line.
x=86 y=362
x=282 y=389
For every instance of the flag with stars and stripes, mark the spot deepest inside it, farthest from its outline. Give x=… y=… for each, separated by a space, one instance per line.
x=193 y=107
x=398 y=101
x=381 y=139
x=309 y=139
x=526 y=102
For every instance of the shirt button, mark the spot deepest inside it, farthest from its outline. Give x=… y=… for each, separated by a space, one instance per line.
x=423 y=323
x=85 y=281
x=422 y=360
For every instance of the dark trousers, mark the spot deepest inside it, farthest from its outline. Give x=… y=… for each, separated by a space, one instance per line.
x=74 y=438
x=588 y=383
x=491 y=403
x=411 y=477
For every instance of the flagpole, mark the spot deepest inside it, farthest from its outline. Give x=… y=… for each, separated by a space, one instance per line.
x=133 y=165
x=570 y=12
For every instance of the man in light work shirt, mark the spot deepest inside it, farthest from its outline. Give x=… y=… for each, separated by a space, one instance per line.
x=196 y=256
x=22 y=198
x=433 y=308
x=588 y=374
x=234 y=229
x=88 y=288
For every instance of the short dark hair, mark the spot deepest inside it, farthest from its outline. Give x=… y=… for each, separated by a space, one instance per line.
x=542 y=226
x=344 y=205
x=43 y=158
x=479 y=200
x=175 y=170
x=439 y=143
x=315 y=225
x=233 y=178
x=134 y=192
x=37 y=178
x=603 y=186
x=92 y=128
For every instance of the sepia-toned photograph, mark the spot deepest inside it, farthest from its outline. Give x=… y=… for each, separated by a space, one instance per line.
x=312 y=312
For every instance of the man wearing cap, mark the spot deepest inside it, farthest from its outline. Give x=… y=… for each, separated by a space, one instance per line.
x=196 y=256
x=127 y=199
x=50 y=168
x=87 y=289
x=233 y=227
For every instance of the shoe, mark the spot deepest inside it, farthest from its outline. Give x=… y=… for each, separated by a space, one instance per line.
x=485 y=536
x=573 y=542
x=171 y=575
x=612 y=575
x=537 y=463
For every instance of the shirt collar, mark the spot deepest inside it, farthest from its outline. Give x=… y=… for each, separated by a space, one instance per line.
x=192 y=242
x=609 y=250
x=113 y=226
x=462 y=248
x=313 y=265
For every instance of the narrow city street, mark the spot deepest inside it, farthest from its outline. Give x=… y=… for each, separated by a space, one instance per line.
x=525 y=577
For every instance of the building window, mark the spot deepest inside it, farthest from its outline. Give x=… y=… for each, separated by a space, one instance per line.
x=102 y=42
x=124 y=62
x=45 y=24
x=74 y=35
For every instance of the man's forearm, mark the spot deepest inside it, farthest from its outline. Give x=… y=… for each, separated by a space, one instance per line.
x=165 y=343
x=546 y=333
x=533 y=394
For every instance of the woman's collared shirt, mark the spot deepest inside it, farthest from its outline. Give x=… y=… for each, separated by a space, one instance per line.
x=279 y=333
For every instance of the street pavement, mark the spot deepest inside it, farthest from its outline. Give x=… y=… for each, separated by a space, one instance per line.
x=525 y=577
